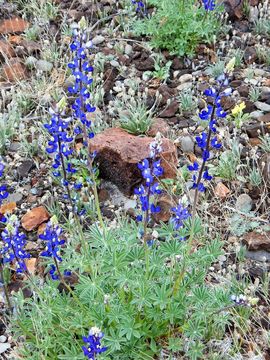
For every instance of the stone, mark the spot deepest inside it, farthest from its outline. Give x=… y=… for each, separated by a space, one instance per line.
x=170 y=110
x=159 y=126
x=185 y=78
x=221 y=191
x=14 y=71
x=177 y=64
x=6 y=50
x=250 y=55
x=167 y=94
x=35 y=217
x=15 y=197
x=256 y=114
x=243 y=203
x=4 y=347
x=259 y=255
x=243 y=90
x=147 y=64
x=115 y=63
x=3 y=338
x=44 y=65
x=97 y=40
x=186 y=143
x=31 y=62
x=128 y=49
x=119 y=152
x=166 y=203
x=24 y=169
x=13 y=25
x=262 y=106
x=264 y=165
x=257 y=241
x=234 y=8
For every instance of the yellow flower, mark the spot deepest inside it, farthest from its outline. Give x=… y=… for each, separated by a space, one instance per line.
x=238 y=109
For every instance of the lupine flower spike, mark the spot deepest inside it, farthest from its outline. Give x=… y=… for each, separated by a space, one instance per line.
x=209 y=5
x=93 y=341
x=180 y=214
x=150 y=169
x=82 y=107
x=52 y=236
x=59 y=145
x=140 y=6
x=14 y=242
x=3 y=191
x=208 y=140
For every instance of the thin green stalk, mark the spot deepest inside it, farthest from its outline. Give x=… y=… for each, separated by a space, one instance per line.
x=2 y=278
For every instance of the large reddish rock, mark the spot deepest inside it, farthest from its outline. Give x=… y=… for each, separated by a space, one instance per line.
x=35 y=217
x=119 y=152
x=6 y=50
x=13 y=25
x=14 y=71
x=257 y=241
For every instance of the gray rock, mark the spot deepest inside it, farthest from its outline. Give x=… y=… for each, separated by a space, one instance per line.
x=256 y=114
x=15 y=147
x=130 y=204
x=260 y=72
x=4 y=347
x=262 y=106
x=186 y=144
x=265 y=91
x=114 y=63
x=185 y=78
x=99 y=39
x=3 y=339
x=44 y=65
x=15 y=197
x=184 y=86
x=24 y=169
x=243 y=203
x=31 y=61
x=259 y=255
x=128 y=49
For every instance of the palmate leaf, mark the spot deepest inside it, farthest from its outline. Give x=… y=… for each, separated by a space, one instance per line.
x=171 y=248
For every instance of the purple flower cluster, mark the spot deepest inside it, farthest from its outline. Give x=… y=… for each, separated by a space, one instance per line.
x=208 y=139
x=59 y=145
x=3 y=191
x=150 y=170
x=93 y=341
x=209 y=5
x=139 y=5
x=180 y=214
x=82 y=71
x=14 y=243
x=52 y=236
x=239 y=299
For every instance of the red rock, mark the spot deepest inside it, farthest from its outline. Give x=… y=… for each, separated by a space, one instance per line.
x=13 y=25
x=35 y=217
x=119 y=153
x=14 y=71
x=234 y=8
x=159 y=125
x=170 y=110
x=221 y=191
x=166 y=203
x=6 y=50
x=257 y=241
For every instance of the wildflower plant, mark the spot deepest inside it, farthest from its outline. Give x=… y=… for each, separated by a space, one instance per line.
x=179 y=26
x=82 y=107
x=3 y=190
x=93 y=341
x=13 y=249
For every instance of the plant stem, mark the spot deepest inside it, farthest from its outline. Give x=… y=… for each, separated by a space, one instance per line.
x=2 y=279
x=194 y=209
x=89 y=158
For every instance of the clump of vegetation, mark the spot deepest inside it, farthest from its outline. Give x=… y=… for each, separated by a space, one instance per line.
x=178 y=26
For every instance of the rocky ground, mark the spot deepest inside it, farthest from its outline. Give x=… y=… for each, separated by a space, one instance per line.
x=33 y=56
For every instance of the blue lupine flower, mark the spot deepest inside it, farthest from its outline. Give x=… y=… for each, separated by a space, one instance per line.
x=211 y=113
x=150 y=169
x=52 y=236
x=53 y=272
x=140 y=5
x=3 y=191
x=180 y=214
x=60 y=143
x=209 y=5
x=14 y=243
x=93 y=341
